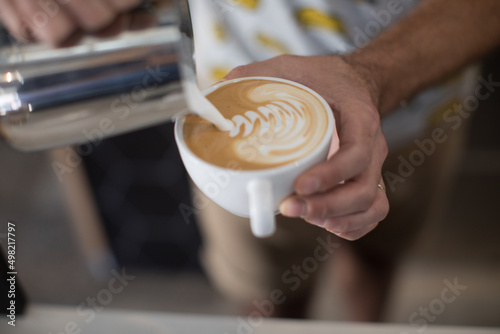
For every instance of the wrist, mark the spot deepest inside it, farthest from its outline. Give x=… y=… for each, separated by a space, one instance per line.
x=372 y=74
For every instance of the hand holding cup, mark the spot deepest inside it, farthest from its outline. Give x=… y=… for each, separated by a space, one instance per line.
x=281 y=128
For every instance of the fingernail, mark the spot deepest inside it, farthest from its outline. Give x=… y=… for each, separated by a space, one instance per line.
x=318 y=222
x=293 y=207
x=308 y=186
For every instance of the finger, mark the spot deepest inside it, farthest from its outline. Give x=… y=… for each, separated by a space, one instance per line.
x=255 y=69
x=357 y=144
x=72 y=39
x=49 y=24
x=352 y=222
x=141 y=20
x=121 y=23
x=293 y=206
x=269 y=68
x=355 y=235
x=91 y=15
x=355 y=195
x=349 y=162
x=124 y=5
x=12 y=20
x=348 y=198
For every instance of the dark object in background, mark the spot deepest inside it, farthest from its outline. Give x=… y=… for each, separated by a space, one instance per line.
x=5 y=289
x=139 y=182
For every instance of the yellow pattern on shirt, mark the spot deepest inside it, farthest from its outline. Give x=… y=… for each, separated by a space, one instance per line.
x=249 y=4
x=313 y=18
x=219 y=72
x=219 y=32
x=437 y=117
x=272 y=43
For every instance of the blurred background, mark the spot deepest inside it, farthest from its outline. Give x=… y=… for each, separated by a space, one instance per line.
x=119 y=208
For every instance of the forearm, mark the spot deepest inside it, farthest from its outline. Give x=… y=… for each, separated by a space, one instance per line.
x=435 y=40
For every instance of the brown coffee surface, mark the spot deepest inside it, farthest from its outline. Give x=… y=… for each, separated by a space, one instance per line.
x=275 y=123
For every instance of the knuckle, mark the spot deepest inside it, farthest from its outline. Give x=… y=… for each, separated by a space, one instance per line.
x=373 y=117
x=318 y=210
x=363 y=158
x=124 y=5
x=337 y=225
x=328 y=174
x=366 y=200
x=372 y=125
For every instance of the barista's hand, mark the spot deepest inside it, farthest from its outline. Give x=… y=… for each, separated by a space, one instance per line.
x=55 y=21
x=355 y=207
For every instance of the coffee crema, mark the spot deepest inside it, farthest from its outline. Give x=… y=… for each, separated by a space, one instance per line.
x=275 y=123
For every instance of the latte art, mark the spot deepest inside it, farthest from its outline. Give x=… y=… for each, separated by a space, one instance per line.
x=282 y=127
x=274 y=123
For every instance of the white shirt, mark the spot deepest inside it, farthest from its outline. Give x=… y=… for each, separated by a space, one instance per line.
x=230 y=33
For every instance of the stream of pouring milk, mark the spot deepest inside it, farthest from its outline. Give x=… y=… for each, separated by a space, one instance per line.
x=199 y=105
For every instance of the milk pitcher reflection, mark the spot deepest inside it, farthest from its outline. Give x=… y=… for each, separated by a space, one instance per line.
x=51 y=97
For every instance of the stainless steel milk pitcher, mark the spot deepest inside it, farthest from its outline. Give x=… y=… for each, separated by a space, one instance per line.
x=100 y=87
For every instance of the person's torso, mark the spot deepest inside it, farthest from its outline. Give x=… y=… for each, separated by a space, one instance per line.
x=230 y=33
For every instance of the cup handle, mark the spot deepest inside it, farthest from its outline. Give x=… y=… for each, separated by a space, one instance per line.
x=260 y=203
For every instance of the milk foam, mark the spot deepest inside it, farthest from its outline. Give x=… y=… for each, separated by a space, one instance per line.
x=272 y=124
x=199 y=105
x=284 y=129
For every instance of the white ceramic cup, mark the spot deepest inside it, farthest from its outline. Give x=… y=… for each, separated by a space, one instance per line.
x=254 y=194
